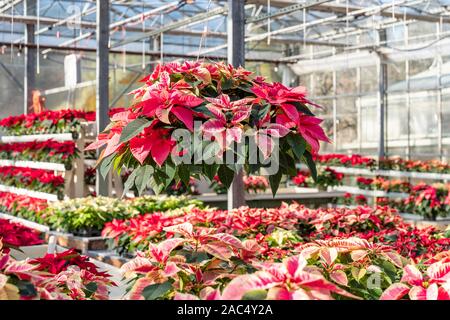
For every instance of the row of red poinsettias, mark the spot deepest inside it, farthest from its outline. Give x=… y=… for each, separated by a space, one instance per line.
x=380 y=183
x=45 y=122
x=33 y=179
x=21 y=206
x=353 y=160
x=286 y=253
x=17 y=235
x=399 y=164
x=326 y=177
x=295 y=223
x=45 y=151
x=429 y=201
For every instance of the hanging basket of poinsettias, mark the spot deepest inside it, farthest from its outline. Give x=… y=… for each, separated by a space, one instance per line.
x=188 y=118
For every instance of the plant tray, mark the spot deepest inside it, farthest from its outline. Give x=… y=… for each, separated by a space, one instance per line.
x=84 y=244
x=108 y=257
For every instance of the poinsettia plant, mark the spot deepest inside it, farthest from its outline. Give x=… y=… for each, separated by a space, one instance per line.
x=17 y=235
x=47 y=151
x=60 y=276
x=48 y=121
x=326 y=177
x=219 y=105
x=429 y=201
x=426 y=282
x=21 y=205
x=33 y=179
x=355 y=160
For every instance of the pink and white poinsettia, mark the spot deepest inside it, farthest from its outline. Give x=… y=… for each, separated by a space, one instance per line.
x=222 y=128
x=434 y=284
x=165 y=97
x=228 y=101
x=289 y=280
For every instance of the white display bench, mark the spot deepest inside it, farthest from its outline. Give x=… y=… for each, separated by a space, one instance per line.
x=73 y=174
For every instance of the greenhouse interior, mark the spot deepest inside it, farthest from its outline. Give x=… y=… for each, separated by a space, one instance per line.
x=225 y=150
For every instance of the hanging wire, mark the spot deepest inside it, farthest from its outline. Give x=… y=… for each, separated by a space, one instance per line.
x=347 y=23
x=304 y=29
x=393 y=19
x=12 y=30
x=38 y=64
x=204 y=33
x=268 y=22
x=161 y=40
x=143 y=40
x=124 y=52
x=405 y=27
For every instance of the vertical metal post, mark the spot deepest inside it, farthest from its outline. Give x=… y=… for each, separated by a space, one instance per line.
x=102 y=89
x=236 y=57
x=29 y=78
x=382 y=86
x=335 y=133
x=439 y=95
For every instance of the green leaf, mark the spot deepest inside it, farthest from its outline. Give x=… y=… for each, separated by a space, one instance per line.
x=274 y=181
x=118 y=163
x=258 y=112
x=157 y=290
x=258 y=294
x=297 y=143
x=133 y=129
x=130 y=182
x=203 y=110
x=105 y=167
x=288 y=164
x=226 y=175
x=227 y=83
x=210 y=170
x=91 y=288
x=447 y=234
x=311 y=165
x=143 y=177
x=302 y=108
x=156 y=185
x=184 y=174
x=170 y=170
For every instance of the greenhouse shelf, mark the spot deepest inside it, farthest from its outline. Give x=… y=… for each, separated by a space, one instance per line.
x=34 y=165
x=386 y=173
x=371 y=193
x=39 y=137
x=27 y=223
x=29 y=193
x=392 y=173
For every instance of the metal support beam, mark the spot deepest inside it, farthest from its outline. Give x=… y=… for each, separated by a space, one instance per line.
x=102 y=90
x=236 y=57
x=29 y=76
x=286 y=10
x=382 y=89
x=212 y=14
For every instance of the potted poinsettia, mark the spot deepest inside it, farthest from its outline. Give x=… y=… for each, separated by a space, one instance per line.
x=230 y=119
x=326 y=177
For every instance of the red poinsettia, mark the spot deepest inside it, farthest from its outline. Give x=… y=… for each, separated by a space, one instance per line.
x=17 y=235
x=45 y=122
x=228 y=102
x=59 y=262
x=47 y=151
x=35 y=179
